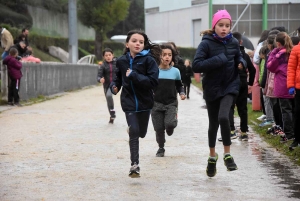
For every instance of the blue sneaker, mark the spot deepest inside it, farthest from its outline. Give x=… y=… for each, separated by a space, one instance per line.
x=266 y=123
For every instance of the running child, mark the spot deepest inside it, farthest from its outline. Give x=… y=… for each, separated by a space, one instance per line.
x=164 y=112
x=106 y=73
x=137 y=73
x=218 y=57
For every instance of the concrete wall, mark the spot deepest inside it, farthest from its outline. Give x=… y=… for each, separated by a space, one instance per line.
x=57 y=24
x=51 y=78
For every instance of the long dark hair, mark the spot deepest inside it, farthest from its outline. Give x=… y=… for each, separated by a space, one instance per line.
x=174 y=53
x=154 y=48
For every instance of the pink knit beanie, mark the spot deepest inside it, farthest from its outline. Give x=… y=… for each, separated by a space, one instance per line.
x=221 y=14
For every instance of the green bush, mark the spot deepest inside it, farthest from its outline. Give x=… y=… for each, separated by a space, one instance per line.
x=14 y=18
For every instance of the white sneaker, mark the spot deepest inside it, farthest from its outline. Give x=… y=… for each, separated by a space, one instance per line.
x=262 y=117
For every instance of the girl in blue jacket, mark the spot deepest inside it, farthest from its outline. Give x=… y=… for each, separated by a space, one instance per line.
x=137 y=73
x=218 y=57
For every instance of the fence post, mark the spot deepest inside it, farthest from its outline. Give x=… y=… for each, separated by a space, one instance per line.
x=4 y=81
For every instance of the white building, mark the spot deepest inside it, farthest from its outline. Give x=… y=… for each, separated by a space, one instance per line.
x=181 y=21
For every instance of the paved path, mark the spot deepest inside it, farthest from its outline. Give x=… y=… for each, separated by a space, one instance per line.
x=64 y=149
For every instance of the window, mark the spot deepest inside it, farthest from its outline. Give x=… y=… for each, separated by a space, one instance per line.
x=197 y=2
x=152 y=10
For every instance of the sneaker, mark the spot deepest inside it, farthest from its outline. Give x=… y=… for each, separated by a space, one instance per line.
x=134 y=171
x=261 y=118
x=284 y=139
x=233 y=135
x=243 y=136
x=266 y=123
x=18 y=104
x=111 y=120
x=170 y=131
x=278 y=131
x=211 y=169
x=10 y=103
x=272 y=129
x=160 y=152
x=229 y=163
x=294 y=145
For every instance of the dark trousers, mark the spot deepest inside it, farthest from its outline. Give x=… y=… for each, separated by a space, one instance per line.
x=218 y=114
x=297 y=116
x=262 y=101
x=276 y=111
x=164 y=117
x=187 y=87
x=138 y=125
x=287 y=107
x=13 y=90
x=241 y=104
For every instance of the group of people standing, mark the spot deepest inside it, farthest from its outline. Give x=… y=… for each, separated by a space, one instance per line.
x=15 y=52
x=277 y=57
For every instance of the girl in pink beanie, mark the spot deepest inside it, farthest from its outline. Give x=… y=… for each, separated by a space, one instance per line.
x=218 y=57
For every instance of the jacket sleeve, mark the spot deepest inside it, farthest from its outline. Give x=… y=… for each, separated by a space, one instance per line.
x=251 y=69
x=150 y=79
x=292 y=67
x=9 y=42
x=117 y=81
x=100 y=72
x=256 y=57
x=264 y=76
x=273 y=62
x=203 y=64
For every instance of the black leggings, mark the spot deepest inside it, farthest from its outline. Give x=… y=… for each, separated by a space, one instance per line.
x=138 y=125
x=218 y=114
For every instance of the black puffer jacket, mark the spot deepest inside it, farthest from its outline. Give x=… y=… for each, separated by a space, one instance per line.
x=107 y=71
x=219 y=64
x=137 y=91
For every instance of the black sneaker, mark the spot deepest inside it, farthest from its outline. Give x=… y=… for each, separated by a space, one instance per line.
x=243 y=136
x=134 y=171
x=160 y=152
x=111 y=120
x=229 y=163
x=10 y=103
x=284 y=139
x=18 y=104
x=294 y=145
x=233 y=135
x=211 y=169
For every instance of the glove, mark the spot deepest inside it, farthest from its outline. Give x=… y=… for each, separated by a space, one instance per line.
x=292 y=91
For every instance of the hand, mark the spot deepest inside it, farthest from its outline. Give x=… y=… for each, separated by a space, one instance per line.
x=115 y=89
x=102 y=80
x=292 y=91
x=128 y=72
x=182 y=97
x=240 y=66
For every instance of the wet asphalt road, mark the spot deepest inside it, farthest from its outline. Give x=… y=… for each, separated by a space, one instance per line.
x=64 y=149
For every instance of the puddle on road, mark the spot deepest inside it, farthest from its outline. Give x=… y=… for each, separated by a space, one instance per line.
x=278 y=167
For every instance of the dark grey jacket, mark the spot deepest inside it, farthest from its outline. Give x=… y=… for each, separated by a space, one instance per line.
x=108 y=72
x=219 y=64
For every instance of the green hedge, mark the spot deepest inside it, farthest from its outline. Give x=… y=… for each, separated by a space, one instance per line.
x=14 y=18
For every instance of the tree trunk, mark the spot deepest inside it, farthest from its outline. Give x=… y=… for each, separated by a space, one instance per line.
x=98 y=45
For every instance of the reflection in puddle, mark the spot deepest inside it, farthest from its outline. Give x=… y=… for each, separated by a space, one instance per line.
x=278 y=167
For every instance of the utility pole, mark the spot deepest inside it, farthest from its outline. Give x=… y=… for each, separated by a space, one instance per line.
x=265 y=15
x=73 y=38
x=210 y=12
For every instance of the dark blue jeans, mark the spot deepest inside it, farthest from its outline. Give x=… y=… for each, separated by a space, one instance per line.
x=138 y=125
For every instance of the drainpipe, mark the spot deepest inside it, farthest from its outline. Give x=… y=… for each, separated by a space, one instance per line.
x=210 y=10
x=265 y=15
x=248 y=4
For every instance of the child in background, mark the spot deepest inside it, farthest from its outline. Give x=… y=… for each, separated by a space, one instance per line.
x=241 y=100
x=188 y=75
x=164 y=112
x=137 y=73
x=14 y=73
x=218 y=57
x=293 y=85
x=277 y=63
x=106 y=74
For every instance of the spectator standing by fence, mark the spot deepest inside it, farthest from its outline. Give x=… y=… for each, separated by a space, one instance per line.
x=6 y=41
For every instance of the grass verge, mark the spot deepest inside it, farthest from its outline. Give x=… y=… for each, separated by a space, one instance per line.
x=262 y=131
